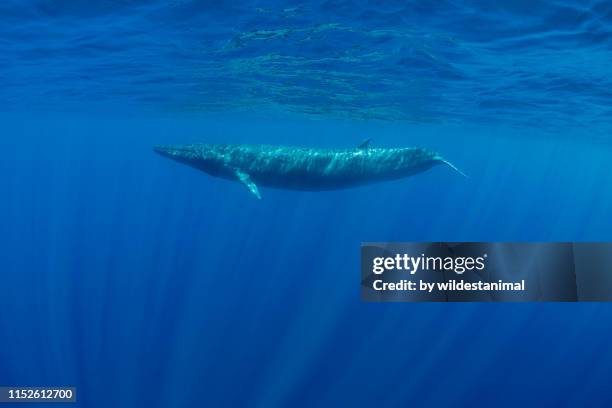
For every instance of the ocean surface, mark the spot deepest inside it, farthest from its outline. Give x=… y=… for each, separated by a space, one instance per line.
x=145 y=283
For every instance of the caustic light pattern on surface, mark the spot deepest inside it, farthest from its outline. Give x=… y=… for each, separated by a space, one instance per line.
x=541 y=63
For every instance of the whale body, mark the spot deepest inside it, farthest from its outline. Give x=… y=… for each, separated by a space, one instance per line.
x=303 y=168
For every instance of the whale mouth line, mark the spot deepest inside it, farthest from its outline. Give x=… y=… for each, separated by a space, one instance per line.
x=170 y=150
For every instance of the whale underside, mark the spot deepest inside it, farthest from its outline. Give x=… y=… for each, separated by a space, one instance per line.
x=302 y=168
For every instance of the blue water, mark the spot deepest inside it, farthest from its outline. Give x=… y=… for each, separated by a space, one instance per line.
x=145 y=283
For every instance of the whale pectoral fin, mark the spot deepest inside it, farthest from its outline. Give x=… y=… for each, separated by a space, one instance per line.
x=365 y=144
x=246 y=180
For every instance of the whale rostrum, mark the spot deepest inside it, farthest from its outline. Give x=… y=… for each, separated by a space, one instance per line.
x=304 y=168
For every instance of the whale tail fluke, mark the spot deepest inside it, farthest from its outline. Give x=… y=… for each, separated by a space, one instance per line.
x=452 y=166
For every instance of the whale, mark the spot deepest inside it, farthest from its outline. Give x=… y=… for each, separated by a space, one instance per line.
x=304 y=168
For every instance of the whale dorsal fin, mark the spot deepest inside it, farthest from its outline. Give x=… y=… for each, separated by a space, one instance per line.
x=365 y=144
x=248 y=183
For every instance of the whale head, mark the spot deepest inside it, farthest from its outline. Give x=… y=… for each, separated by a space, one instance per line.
x=203 y=157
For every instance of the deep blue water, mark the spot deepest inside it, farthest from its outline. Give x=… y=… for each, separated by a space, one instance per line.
x=146 y=283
